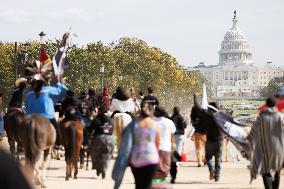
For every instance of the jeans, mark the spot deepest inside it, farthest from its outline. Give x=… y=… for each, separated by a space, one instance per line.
x=179 y=143
x=268 y=181
x=214 y=149
x=1 y=125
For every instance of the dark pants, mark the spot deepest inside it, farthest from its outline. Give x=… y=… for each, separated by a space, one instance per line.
x=58 y=134
x=214 y=149
x=143 y=176
x=173 y=171
x=268 y=181
x=86 y=136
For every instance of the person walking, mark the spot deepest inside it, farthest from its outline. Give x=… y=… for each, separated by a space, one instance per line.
x=214 y=143
x=144 y=157
x=94 y=101
x=266 y=139
x=151 y=98
x=199 y=136
x=102 y=143
x=180 y=125
x=167 y=129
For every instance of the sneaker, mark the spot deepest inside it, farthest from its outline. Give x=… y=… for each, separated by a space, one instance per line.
x=211 y=176
x=199 y=165
x=103 y=175
x=173 y=181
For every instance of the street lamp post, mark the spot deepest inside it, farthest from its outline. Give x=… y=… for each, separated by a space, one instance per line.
x=102 y=70
x=15 y=60
x=120 y=79
x=42 y=38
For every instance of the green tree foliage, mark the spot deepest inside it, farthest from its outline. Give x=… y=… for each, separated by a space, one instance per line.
x=139 y=64
x=272 y=87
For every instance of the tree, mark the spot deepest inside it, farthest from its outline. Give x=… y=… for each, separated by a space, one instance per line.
x=139 y=64
x=272 y=87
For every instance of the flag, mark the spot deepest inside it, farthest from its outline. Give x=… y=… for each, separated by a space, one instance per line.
x=44 y=57
x=60 y=61
x=235 y=132
x=204 y=103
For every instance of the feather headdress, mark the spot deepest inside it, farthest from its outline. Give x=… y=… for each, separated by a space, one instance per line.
x=39 y=70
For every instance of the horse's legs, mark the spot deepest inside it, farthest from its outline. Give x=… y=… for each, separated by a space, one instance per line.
x=75 y=163
x=42 y=175
x=87 y=164
x=82 y=156
x=45 y=154
x=67 y=170
x=12 y=147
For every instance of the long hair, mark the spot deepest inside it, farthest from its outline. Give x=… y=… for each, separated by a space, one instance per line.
x=120 y=94
x=161 y=112
x=37 y=88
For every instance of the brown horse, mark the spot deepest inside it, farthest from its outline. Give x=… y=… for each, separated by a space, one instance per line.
x=72 y=135
x=38 y=135
x=12 y=122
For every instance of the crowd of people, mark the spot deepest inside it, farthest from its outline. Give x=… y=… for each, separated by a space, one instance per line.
x=157 y=139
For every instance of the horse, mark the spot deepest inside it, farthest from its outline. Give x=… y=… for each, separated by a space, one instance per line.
x=38 y=135
x=121 y=120
x=12 y=122
x=72 y=135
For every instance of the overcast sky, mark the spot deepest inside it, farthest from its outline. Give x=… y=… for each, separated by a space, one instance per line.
x=190 y=30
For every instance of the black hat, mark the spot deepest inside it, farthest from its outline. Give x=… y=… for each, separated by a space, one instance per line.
x=83 y=94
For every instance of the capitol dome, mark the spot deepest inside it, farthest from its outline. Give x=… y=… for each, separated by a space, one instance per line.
x=235 y=49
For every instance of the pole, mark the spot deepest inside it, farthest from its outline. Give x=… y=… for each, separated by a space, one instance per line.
x=102 y=82
x=15 y=60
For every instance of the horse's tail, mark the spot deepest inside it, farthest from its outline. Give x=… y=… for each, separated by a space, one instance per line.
x=71 y=131
x=31 y=148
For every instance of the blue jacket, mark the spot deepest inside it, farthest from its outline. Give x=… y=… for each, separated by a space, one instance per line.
x=122 y=160
x=43 y=104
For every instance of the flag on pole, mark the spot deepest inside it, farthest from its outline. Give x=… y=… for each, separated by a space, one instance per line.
x=204 y=103
x=60 y=61
x=234 y=130
x=44 y=57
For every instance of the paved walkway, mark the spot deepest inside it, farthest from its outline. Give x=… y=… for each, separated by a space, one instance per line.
x=233 y=175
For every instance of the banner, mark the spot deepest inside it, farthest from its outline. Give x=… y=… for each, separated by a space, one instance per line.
x=234 y=131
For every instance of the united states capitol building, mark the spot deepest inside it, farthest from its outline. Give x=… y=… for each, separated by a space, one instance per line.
x=235 y=75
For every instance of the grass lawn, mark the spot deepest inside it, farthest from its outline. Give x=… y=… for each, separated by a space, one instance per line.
x=231 y=102
x=250 y=112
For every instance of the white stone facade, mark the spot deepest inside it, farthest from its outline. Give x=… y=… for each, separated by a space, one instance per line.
x=235 y=75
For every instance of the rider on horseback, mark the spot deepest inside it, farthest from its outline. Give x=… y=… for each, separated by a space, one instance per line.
x=17 y=96
x=38 y=100
x=15 y=115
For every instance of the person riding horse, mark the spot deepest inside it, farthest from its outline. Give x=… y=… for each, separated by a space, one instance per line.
x=38 y=101
x=16 y=102
x=15 y=116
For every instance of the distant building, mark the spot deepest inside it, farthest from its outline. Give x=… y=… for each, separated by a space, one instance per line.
x=235 y=75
